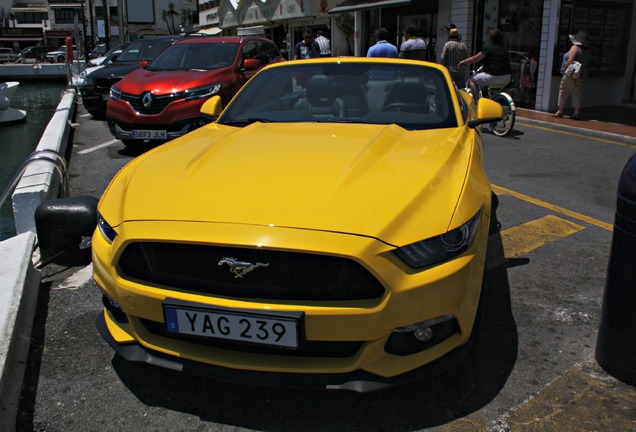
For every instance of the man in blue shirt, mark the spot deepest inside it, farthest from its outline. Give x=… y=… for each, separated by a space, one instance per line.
x=382 y=48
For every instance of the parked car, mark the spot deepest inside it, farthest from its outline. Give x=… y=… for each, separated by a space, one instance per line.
x=105 y=59
x=163 y=100
x=59 y=55
x=100 y=50
x=96 y=87
x=7 y=55
x=33 y=54
x=329 y=229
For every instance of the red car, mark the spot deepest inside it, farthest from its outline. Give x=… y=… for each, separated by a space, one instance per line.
x=162 y=100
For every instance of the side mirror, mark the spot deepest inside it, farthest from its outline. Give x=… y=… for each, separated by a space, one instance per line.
x=251 y=64
x=143 y=64
x=488 y=111
x=212 y=108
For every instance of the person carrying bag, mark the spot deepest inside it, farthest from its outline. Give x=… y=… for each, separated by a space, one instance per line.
x=574 y=70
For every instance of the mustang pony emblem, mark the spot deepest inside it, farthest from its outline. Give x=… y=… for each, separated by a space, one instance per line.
x=240 y=268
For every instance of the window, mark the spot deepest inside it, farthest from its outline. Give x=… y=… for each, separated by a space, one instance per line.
x=67 y=16
x=608 y=26
x=31 y=17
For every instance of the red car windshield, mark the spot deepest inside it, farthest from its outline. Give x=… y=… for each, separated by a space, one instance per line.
x=195 y=56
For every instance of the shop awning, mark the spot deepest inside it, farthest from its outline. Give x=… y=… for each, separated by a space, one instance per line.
x=210 y=31
x=356 y=5
x=251 y=31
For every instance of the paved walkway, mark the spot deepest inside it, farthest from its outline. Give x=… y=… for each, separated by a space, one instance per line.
x=618 y=120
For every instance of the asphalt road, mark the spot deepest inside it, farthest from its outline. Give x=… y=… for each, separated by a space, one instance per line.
x=532 y=367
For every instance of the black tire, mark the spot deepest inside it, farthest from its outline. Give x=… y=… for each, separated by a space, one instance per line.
x=60 y=59
x=504 y=126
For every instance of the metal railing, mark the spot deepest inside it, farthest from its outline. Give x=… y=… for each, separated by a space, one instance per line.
x=52 y=156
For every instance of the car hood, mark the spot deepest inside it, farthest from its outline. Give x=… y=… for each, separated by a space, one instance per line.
x=163 y=82
x=380 y=181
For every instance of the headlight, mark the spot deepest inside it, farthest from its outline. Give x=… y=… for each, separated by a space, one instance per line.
x=202 y=92
x=107 y=231
x=440 y=248
x=115 y=93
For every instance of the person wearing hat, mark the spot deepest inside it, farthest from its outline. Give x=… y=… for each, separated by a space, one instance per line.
x=570 y=85
x=453 y=52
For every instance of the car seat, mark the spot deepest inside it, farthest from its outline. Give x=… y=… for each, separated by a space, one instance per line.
x=321 y=101
x=407 y=95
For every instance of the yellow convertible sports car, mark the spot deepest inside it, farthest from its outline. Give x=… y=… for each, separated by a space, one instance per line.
x=329 y=229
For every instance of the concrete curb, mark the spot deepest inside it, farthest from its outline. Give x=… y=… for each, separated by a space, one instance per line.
x=40 y=180
x=18 y=299
x=19 y=279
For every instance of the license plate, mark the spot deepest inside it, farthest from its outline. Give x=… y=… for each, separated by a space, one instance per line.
x=149 y=134
x=262 y=328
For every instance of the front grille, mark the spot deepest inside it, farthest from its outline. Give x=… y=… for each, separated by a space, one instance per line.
x=156 y=106
x=281 y=276
x=333 y=349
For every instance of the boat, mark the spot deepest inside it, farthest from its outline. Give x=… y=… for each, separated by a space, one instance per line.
x=7 y=114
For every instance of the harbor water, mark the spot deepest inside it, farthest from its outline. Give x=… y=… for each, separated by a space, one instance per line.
x=17 y=141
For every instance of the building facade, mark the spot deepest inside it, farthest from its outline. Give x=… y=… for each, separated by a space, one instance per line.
x=88 y=22
x=536 y=31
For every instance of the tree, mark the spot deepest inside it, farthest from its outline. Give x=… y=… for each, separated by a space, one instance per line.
x=167 y=15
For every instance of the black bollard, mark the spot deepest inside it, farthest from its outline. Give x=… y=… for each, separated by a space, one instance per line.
x=616 y=341
x=61 y=225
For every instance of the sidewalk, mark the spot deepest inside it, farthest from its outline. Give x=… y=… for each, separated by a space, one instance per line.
x=616 y=120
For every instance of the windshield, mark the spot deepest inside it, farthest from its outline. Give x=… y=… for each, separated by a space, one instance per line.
x=145 y=49
x=413 y=97
x=195 y=56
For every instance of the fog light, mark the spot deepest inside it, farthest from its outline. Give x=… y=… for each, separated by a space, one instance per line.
x=112 y=306
x=423 y=334
x=417 y=337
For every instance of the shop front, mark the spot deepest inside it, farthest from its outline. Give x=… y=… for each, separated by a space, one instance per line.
x=283 y=21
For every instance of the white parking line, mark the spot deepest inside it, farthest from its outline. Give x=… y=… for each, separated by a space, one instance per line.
x=97 y=147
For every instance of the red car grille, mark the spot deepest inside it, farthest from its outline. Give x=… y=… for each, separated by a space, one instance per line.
x=155 y=107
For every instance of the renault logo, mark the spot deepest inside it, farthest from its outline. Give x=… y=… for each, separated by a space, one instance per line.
x=240 y=268
x=147 y=99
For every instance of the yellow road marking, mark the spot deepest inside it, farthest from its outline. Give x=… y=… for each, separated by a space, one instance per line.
x=503 y=191
x=578 y=135
x=522 y=239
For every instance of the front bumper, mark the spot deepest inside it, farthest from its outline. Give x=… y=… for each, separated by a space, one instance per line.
x=450 y=289
x=356 y=381
x=182 y=128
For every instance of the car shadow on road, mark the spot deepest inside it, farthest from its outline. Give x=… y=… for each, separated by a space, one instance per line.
x=440 y=400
